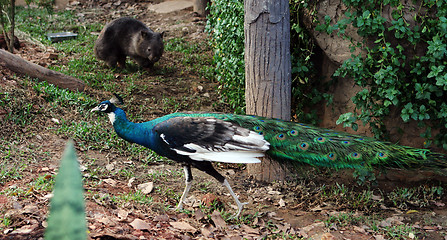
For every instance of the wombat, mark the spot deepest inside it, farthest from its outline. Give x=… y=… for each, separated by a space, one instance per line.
x=128 y=37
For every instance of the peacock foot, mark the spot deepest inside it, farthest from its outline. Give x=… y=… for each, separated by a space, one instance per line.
x=239 y=206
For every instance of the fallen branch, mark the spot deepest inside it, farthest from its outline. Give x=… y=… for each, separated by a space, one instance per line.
x=20 y=65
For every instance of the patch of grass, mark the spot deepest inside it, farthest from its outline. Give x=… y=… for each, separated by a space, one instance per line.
x=345 y=197
x=284 y=236
x=165 y=175
x=64 y=98
x=248 y=219
x=20 y=113
x=38 y=22
x=167 y=192
x=181 y=45
x=5 y=222
x=10 y=169
x=171 y=104
x=204 y=186
x=344 y=219
x=16 y=157
x=193 y=58
x=42 y=183
x=420 y=196
x=126 y=173
x=401 y=232
x=136 y=197
x=88 y=135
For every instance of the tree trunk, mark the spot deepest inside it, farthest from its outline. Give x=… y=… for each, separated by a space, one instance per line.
x=267 y=69
x=200 y=7
x=13 y=23
x=19 y=65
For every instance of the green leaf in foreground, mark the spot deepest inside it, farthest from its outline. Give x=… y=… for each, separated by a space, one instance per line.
x=67 y=209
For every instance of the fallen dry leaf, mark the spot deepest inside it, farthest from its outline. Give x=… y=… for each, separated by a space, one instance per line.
x=31 y=209
x=110 y=166
x=131 y=180
x=249 y=230
x=359 y=229
x=206 y=232
x=199 y=215
x=273 y=192
x=430 y=228
x=122 y=215
x=282 y=203
x=210 y=199
x=308 y=228
x=379 y=237
x=106 y=221
x=327 y=236
x=146 y=188
x=140 y=224
x=161 y=218
x=218 y=220
x=25 y=229
x=110 y=181
x=411 y=211
x=112 y=236
x=316 y=209
x=183 y=226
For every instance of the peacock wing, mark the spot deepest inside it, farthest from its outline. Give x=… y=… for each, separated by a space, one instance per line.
x=211 y=139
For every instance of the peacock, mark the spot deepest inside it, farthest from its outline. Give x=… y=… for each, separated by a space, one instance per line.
x=195 y=139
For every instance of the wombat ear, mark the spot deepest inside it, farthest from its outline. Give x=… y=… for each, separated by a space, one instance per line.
x=162 y=34
x=144 y=34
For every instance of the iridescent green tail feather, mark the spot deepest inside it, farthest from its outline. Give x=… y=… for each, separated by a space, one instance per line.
x=299 y=143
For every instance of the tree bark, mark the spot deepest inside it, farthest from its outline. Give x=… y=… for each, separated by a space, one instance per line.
x=13 y=23
x=267 y=69
x=19 y=65
x=200 y=7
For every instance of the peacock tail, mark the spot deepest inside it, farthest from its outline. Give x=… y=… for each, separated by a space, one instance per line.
x=292 y=142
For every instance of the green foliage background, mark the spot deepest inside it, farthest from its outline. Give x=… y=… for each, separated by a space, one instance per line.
x=226 y=26
x=393 y=73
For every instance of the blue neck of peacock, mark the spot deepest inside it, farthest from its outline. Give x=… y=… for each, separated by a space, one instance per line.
x=130 y=131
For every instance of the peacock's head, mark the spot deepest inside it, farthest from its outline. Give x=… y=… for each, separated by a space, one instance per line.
x=105 y=107
x=108 y=105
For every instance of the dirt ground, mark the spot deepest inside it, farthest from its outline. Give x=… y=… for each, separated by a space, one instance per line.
x=290 y=210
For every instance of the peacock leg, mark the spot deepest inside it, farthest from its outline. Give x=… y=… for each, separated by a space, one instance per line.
x=188 y=181
x=208 y=168
x=239 y=204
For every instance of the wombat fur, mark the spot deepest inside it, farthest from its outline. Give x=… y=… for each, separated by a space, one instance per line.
x=128 y=37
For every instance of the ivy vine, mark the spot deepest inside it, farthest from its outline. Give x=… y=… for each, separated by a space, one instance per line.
x=403 y=65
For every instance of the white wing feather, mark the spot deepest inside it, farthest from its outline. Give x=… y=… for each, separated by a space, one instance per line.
x=230 y=153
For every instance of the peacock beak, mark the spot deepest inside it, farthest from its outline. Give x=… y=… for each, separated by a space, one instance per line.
x=95 y=109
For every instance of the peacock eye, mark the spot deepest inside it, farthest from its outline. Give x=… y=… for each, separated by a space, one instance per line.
x=280 y=136
x=103 y=107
